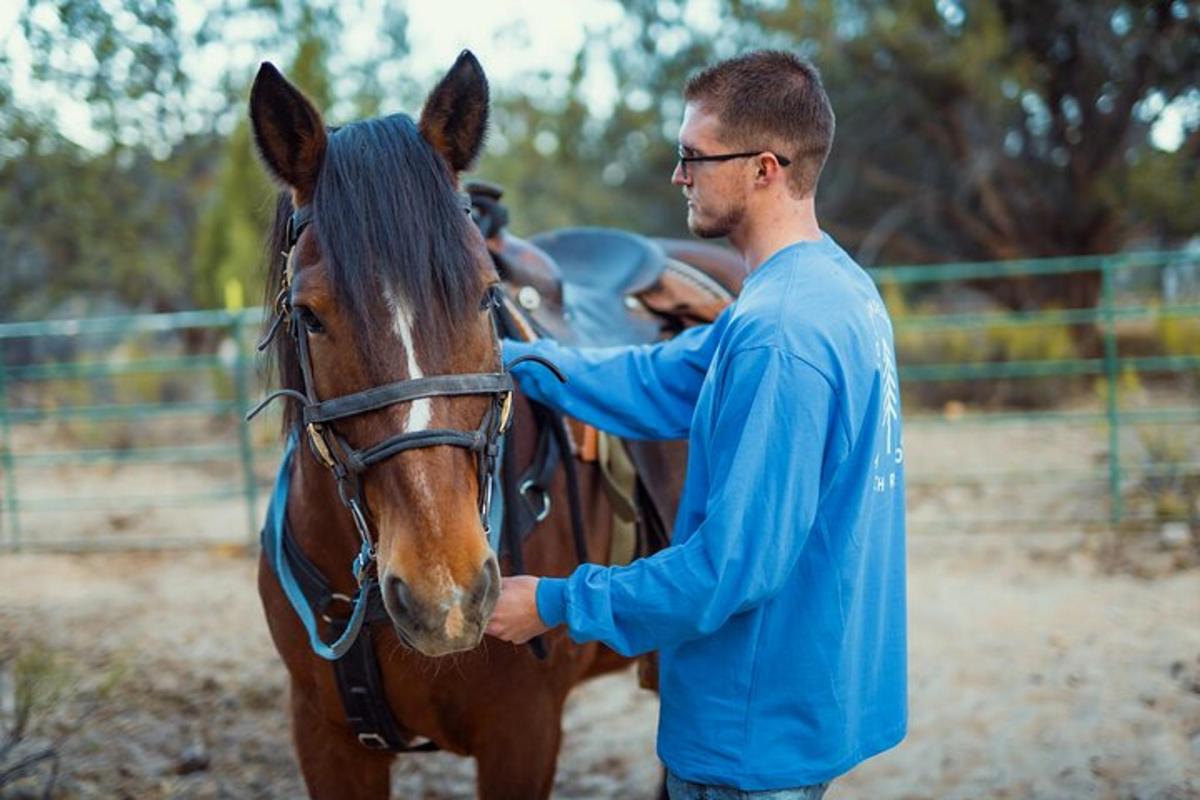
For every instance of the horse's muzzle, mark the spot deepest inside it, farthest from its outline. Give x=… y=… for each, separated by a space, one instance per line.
x=449 y=624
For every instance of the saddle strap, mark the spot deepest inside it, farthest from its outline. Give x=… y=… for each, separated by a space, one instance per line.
x=620 y=479
x=510 y=537
x=365 y=702
x=357 y=672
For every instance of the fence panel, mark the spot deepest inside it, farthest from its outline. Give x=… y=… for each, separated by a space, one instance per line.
x=128 y=432
x=1097 y=453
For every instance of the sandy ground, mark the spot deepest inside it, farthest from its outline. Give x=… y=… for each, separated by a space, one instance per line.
x=1055 y=664
x=1034 y=674
x=962 y=476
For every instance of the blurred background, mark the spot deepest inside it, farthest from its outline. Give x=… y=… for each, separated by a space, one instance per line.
x=1021 y=179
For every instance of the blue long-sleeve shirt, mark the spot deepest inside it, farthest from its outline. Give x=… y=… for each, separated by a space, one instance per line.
x=779 y=608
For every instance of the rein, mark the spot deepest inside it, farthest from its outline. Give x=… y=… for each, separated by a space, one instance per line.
x=348 y=464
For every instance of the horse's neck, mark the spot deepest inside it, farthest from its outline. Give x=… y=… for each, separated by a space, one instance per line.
x=320 y=524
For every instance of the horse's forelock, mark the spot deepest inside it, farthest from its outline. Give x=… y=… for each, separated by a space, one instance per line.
x=390 y=226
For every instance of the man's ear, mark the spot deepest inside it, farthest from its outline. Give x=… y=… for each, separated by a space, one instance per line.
x=288 y=132
x=454 y=119
x=765 y=166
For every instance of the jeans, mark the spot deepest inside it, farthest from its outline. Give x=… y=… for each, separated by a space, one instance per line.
x=685 y=790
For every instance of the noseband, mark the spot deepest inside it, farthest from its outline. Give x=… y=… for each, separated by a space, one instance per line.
x=347 y=463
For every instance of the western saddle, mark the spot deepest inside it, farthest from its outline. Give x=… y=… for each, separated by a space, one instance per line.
x=599 y=286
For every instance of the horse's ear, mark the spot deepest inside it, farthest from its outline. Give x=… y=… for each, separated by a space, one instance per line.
x=455 y=116
x=288 y=132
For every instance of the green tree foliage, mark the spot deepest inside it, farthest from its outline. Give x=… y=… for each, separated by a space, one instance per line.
x=539 y=151
x=229 y=238
x=124 y=60
x=163 y=205
x=112 y=224
x=91 y=227
x=966 y=130
x=100 y=231
x=239 y=210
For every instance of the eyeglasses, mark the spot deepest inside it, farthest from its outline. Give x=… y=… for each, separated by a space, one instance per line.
x=685 y=160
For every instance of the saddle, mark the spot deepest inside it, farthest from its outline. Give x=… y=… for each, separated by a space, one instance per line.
x=600 y=287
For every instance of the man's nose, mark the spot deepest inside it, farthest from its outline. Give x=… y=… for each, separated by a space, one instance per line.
x=677 y=176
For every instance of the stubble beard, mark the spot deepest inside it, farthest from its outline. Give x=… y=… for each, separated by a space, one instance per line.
x=717 y=228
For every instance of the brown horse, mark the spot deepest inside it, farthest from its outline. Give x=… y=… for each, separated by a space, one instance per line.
x=386 y=284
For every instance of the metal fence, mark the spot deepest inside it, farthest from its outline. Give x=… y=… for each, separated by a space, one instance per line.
x=127 y=432
x=52 y=427
x=1135 y=289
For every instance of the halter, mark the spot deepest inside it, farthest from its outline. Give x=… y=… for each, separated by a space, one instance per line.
x=348 y=464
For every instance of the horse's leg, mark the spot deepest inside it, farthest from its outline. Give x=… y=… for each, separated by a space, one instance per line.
x=333 y=762
x=517 y=758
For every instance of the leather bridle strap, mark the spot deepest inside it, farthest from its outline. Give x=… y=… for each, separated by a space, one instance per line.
x=347 y=463
x=403 y=391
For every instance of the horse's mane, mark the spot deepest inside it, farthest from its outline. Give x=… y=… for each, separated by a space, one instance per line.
x=389 y=224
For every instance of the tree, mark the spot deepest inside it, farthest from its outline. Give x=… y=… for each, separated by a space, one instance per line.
x=80 y=223
x=966 y=130
x=240 y=208
x=1022 y=129
x=145 y=211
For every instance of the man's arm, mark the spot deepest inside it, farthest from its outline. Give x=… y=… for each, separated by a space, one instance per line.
x=640 y=392
x=775 y=418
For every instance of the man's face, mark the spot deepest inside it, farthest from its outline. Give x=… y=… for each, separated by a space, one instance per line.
x=715 y=190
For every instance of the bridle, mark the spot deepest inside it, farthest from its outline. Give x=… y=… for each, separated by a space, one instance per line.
x=348 y=463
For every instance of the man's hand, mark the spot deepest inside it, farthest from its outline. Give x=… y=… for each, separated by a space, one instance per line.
x=516 y=618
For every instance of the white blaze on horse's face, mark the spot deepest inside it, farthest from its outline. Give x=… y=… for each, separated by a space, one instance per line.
x=420 y=412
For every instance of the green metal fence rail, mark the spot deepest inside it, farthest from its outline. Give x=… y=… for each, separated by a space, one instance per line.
x=1106 y=316
x=29 y=464
x=24 y=467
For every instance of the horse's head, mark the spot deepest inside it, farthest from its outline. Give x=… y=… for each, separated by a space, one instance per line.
x=386 y=286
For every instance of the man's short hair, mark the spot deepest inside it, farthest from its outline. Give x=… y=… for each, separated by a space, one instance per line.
x=774 y=100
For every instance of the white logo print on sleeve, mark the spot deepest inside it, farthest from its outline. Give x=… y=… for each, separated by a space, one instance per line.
x=892 y=454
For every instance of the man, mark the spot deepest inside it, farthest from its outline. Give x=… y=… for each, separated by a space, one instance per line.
x=779 y=608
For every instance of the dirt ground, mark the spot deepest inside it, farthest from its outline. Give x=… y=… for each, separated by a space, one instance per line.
x=1058 y=663
x=1033 y=675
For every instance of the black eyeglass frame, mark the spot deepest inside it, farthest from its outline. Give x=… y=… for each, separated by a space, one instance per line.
x=685 y=160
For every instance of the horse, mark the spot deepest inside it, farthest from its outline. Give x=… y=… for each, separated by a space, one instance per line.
x=387 y=295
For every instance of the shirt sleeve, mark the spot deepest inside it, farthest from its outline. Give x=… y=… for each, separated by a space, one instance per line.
x=639 y=392
x=774 y=417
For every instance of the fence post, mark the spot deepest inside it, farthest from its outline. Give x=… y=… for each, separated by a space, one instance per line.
x=6 y=463
x=1111 y=369
x=242 y=390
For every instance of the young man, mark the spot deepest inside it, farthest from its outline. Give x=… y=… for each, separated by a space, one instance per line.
x=779 y=608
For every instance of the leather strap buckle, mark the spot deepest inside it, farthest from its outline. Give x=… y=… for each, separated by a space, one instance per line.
x=529 y=490
x=506 y=411
x=316 y=437
x=373 y=741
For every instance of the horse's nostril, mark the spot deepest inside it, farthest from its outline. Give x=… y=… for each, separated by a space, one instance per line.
x=489 y=578
x=398 y=591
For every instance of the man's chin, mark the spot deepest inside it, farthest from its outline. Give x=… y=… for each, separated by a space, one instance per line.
x=705 y=231
x=710 y=228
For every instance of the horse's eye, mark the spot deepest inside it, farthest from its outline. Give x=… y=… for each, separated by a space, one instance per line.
x=310 y=320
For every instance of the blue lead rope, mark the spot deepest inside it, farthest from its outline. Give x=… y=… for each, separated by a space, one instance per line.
x=273 y=544
x=495 y=517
